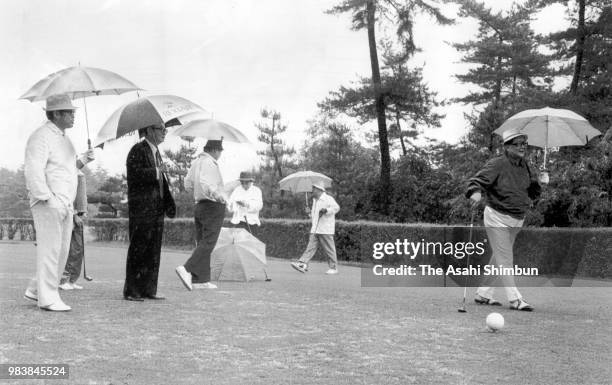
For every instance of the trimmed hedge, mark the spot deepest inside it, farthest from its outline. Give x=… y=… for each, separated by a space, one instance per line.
x=585 y=252
x=19 y=229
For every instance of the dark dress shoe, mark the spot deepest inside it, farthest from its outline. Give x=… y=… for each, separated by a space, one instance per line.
x=157 y=297
x=133 y=298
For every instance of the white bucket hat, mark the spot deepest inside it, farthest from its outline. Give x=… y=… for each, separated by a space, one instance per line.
x=59 y=102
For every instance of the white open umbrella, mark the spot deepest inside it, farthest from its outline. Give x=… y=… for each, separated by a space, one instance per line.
x=80 y=82
x=146 y=111
x=210 y=129
x=302 y=181
x=551 y=127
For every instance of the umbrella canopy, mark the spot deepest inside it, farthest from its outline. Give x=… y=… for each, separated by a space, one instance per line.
x=551 y=127
x=238 y=256
x=302 y=181
x=79 y=82
x=210 y=129
x=146 y=111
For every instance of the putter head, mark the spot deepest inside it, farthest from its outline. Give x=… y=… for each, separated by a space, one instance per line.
x=88 y=278
x=268 y=279
x=462 y=310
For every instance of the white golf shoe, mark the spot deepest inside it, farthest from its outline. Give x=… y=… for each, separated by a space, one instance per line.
x=205 y=285
x=300 y=266
x=185 y=277
x=66 y=286
x=31 y=295
x=519 y=304
x=58 y=306
x=331 y=272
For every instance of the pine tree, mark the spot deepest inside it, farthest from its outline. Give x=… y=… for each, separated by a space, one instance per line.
x=507 y=61
x=368 y=14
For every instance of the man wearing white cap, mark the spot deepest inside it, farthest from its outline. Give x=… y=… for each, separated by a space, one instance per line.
x=51 y=178
x=323 y=216
x=245 y=202
x=510 y=185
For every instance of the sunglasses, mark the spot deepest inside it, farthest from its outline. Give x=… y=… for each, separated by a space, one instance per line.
x=520 y=144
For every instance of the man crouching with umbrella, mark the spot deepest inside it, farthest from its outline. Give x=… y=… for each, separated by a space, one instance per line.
x=510 y=185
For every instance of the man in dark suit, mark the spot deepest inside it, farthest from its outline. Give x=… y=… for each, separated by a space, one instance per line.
x=149 y=198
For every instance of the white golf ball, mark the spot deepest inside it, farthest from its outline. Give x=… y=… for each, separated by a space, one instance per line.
x=495 y=322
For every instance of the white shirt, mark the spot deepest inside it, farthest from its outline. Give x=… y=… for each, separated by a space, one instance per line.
x=50 y=166
x=326 y=224
x=204 y=178
x=154 y=149
x=254 y=203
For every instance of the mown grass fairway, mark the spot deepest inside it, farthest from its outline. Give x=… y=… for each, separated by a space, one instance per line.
x=298 y=329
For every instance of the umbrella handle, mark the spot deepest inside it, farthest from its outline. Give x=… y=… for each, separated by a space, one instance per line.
x=87 y=125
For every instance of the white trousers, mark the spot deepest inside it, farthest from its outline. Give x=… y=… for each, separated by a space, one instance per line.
x=501 y=230
x=326 y=241
x=53 y=226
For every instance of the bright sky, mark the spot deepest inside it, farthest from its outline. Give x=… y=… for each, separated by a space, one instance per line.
x=232 y=57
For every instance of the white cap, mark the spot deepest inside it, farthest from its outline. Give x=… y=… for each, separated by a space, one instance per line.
x=512 y=133
x=319 y=185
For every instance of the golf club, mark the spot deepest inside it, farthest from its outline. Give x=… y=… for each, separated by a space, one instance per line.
x=87 y=277
x=462 y=308
x=247 y=223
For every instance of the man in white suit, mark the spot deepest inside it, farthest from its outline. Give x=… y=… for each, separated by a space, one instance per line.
x=51 y=177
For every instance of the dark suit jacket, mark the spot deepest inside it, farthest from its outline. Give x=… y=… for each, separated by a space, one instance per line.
x=144 y=198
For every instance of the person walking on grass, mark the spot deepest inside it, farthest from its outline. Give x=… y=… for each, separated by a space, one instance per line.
x=510 y=185
x=51 y=178
x=323 y=217
x=204 y=178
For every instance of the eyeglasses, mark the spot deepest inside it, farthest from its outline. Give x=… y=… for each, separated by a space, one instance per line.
x=164 y=129
x=520 y=144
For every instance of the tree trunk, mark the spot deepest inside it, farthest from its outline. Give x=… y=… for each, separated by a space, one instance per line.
x=580 y=38
x=399 y=133
x=385 y=158
x=498 y=82
x=277 y=165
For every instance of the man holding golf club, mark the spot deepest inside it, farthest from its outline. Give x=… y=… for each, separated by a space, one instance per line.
x=323 y=216
x=245 y=202
x=510 y=185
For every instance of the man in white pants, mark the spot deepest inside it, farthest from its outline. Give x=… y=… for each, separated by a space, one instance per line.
x=51 y=178
x=323 y=216
x=510 y=185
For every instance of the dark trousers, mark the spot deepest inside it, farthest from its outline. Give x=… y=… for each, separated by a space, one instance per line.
x=142 y=265
x=208 y=216
x=76 y=253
